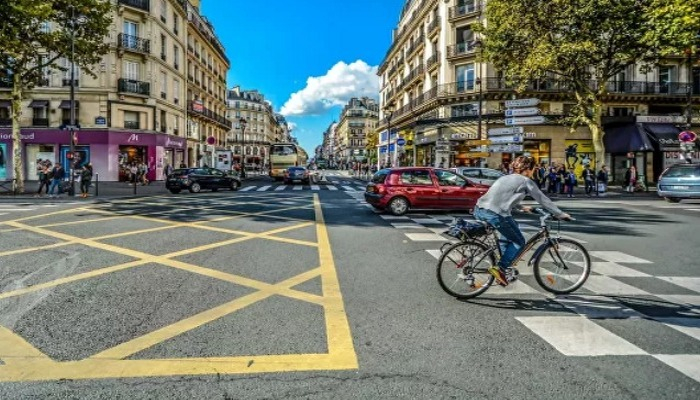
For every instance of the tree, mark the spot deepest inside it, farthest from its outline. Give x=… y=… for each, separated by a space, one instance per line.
x=582 y=43
x=35 y=35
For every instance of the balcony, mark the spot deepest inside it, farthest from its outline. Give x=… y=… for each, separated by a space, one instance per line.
x=433 y=26
x=40 y=122
x=144 y=5
x=133 y=43
x=132 y=125
x=134 y=86
x=415 y=45
x=415 y=73
x=433 y=61
x=464 y=11
x=199 y=110
x=461 y=50
x=66 y=82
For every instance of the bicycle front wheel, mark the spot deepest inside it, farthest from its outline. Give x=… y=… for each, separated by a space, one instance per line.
x=562 y=267
x=462 y=269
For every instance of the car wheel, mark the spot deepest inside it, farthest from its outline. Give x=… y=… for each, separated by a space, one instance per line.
x=398 y=205
x=174 y=191
x=673 y=200
x=195 y=188
x=234 y=186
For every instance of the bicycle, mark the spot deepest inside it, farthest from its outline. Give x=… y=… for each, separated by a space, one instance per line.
x=560 y=265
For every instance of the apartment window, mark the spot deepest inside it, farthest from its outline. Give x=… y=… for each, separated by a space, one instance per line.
x=465 y=39
x=163 y=85
x=132 y=70
x=163 y=10
x=667 y=75
x=66 y=74
x=176 y=23
x=45 y=27
x=163 y=44
x=40 y=116
x=176 y=91
x=163 y=119
x=176 y=57
x=464 y=75
x=131 y=120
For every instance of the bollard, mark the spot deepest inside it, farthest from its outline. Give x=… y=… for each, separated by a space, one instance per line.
x=135 y=184
x=97 y=185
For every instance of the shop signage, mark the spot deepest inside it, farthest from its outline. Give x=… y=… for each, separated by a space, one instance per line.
x=462 y=136
x=100 y=121
x=174 y=143
x=133 y=138
x=522 y=103
x=480 y=149
x=506 y=131
x=197 y=106
x=526 y=120
x=661 y=119
x=522 y=112
x=8 y=136
x=478 y=142
x=507 y=148
x=529 y=135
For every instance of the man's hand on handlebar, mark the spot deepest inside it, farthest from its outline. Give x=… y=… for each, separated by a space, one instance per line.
x=564 y=217
x=526 y=209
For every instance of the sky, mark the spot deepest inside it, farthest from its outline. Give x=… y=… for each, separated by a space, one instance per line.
x=308 y=57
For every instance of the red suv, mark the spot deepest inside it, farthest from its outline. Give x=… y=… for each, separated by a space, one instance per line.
x=401 y=189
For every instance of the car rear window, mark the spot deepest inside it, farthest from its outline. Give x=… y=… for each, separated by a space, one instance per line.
x=181 y=171
x=380 y=176
x=683 y=171
x=296 y=169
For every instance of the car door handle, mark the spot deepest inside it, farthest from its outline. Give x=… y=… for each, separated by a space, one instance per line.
x=409 y=189
x=445 y=190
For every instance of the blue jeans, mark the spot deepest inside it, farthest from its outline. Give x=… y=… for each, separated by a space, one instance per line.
x=511 y=240
x=54 y=183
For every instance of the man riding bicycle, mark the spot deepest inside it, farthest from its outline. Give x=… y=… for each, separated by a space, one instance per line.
x=495 y=209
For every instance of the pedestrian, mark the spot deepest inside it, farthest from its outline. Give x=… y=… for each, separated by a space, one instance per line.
x=561 y=178
x=134 y=171
x=43 y=172
x=602 y=180
x=552 y=177
x=57 y=176
x=541 y=176
x=588 y=177
x=168 y=170
x=630 y=179
x=85 y=180
x=570 y=183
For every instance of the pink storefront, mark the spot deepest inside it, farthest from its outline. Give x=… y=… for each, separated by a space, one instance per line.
x=111 y=152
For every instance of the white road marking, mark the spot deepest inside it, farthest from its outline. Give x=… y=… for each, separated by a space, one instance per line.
x=280 y=188
x=17 y=209
x=361 y=188
x=681 y=299
x=517 y=287
x=331 y=187
x=619 y=257
x=408 y=225
x=425 y=237
x=579 y=337
x=597 y=307
x=688 y=364
x=608 y=286
x=393 y=217
x=297 y=188
x=435 y=253
x=688 y=326
x=349 y=189
x=247 y=188
x=609 y=268
x=263 y=188
x=431 y=221
x=686 y=282
x=315 y=187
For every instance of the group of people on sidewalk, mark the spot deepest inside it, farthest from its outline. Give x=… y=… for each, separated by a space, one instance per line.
x=558 y=180
x=52 y=179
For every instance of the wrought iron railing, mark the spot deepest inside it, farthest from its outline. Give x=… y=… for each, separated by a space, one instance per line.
x=134 y=86
x=133 y=43
x=140 y=4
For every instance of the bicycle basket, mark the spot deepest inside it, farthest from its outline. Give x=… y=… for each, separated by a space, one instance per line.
x=469 y=229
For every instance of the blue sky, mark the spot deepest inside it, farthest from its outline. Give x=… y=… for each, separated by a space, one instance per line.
x=306 y=56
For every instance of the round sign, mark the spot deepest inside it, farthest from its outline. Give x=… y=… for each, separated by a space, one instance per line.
x=687 y=136
x=401 y=142
x=211 y=140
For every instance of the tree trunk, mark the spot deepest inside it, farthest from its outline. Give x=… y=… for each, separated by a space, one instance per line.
x=595 y=125
x=17 y=164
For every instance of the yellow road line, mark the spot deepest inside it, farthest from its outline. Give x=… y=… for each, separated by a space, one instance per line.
x=14 y=348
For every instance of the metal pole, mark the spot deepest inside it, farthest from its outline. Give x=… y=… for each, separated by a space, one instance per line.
x=243 y=155
x=71 y=130
x=689 y=105
x=388 y=140
x=97 y=185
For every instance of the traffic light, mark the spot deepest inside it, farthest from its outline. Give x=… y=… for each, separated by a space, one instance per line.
x=74 y=138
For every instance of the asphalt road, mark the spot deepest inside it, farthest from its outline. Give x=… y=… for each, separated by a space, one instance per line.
x=311 y=294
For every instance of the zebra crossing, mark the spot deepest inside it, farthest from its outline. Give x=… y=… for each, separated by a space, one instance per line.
x=346 y=187
x=15 y=207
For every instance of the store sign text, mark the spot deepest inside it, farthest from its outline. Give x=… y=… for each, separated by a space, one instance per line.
x=8 y=136
x=174 y=143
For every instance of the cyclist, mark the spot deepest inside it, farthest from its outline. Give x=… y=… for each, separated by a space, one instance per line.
x=496 y=205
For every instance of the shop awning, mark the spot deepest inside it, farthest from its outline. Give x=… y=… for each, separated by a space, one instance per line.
x=65 y=104
x=39 y=104
x=5 y=103
x=626 y=138
x=663 y=136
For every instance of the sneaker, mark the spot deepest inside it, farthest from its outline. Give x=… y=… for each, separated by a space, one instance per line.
x=512 y=275
x=499 y=275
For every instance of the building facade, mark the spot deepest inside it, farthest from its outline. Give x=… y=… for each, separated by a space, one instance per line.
x=133 y=112
x=358 y=118
x=207 y=66
x=442 y=100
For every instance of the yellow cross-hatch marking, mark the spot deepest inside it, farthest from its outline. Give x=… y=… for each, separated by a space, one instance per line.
x=23 y=362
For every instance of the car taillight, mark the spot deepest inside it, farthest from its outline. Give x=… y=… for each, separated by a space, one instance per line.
x=380 y=189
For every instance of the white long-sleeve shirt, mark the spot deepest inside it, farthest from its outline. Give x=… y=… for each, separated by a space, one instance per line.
x=507 y=193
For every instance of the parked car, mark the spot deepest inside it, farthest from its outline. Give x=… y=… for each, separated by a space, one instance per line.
x=399 y=190
x=680 y=181
x=196 y=179
x=483 y=176
x=297 y=174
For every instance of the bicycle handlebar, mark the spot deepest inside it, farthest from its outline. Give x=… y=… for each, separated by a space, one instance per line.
x=546 y=215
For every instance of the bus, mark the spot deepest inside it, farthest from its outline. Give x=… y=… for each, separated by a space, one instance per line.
x=283 y=156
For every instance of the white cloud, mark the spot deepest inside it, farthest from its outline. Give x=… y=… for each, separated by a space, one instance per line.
x=342 y=82
x=291 y=125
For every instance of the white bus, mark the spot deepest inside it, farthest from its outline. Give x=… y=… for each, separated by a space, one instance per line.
x=283 y=156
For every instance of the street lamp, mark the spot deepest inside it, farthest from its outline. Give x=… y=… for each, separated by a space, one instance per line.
x=479 y=82
x=389 y=111
x=243 y=123
x=73 y=23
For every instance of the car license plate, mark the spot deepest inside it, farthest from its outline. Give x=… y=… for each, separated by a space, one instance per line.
x=680 y=187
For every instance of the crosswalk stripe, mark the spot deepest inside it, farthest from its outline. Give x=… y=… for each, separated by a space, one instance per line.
x=332 y=187
x=263 y=188
x=315 y=187
x=610 y=286
x=349 y=188
x=247 y=188
x=690 y=283
x=279 y=188
x=360 y=188
x=297 y=188
x=579 y=336
x=18 y=209
x=687 y=364
x=688 y=326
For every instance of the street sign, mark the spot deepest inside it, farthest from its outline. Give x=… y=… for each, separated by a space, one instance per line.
x=506 y=131
x=522 y=103
x=526 y=120
x=687 y=136
x=477 y=142
x=401 y=141
x=507 y=139
x=506 y=148
x=478 y=155
x=522 y=112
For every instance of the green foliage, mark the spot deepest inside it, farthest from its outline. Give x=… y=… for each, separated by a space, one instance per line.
x=26 y=48
x=674 y=26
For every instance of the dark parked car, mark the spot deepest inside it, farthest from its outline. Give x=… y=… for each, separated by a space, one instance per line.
x=196 y=179
x=297 y=174
x=680 y=181
x=401 y=189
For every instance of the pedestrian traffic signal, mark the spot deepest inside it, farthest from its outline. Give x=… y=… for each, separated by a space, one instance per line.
x=69 y=155
x=74 y=138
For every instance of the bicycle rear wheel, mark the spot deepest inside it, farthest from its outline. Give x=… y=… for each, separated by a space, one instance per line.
x=462 y=270
x=562 y=267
